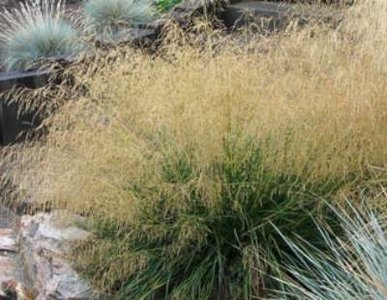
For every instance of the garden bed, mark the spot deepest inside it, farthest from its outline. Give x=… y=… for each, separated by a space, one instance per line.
x=203 y=171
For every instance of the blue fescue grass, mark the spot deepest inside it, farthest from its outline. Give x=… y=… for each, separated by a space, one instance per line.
x=354 y=268
x=111 y=16
x=38 y=30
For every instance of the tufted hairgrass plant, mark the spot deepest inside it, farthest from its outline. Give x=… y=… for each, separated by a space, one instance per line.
x=196 y=227
x=38 y=30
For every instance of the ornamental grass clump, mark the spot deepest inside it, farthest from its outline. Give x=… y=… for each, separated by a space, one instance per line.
x=38 y=30
x=354 y=268
x=184 y=163
x=196 y=226
x=111 y=17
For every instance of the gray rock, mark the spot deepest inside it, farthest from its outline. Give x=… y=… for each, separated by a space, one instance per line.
x=64 y=283
x=44 y=239
x=7 y=240
x=48 y=231
x=7 y=268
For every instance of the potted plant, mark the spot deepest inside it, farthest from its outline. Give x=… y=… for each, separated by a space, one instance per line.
x=35 y=31
x=114 y=21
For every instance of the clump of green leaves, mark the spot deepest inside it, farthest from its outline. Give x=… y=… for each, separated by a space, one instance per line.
x=38 y=30
x=201 y=232
x=166 y=5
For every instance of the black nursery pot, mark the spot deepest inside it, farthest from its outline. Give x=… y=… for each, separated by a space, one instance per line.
x=141 y=36
x=14 y=125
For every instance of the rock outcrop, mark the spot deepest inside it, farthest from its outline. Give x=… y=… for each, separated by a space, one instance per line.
x=44 y=240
